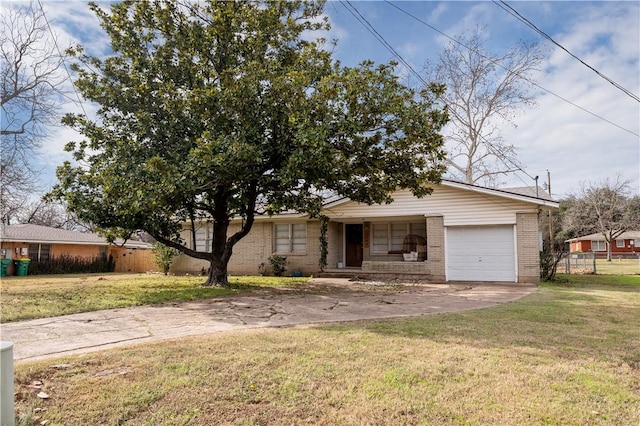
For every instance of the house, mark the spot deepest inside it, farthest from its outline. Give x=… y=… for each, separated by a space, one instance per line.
x=41 y=243
x=626 y=245
x=460 y=232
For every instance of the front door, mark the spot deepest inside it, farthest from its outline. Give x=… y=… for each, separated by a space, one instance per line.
x=353 y=249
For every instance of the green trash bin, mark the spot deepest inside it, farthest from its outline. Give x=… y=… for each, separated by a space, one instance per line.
x=4 y=267
x=22 y=267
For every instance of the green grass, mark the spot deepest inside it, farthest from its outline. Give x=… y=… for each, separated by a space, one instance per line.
x=54 y=295
x=615 y=267
x=618 y=267
x=567 y=354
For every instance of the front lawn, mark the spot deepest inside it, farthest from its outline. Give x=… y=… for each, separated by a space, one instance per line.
x=567 y=354
x=603 y=267
x=44 y=296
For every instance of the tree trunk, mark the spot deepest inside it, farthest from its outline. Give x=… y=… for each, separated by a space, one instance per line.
x=609 y=255
x=218 y=275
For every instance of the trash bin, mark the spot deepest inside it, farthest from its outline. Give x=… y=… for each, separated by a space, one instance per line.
x=4 y=267
x=22 y=267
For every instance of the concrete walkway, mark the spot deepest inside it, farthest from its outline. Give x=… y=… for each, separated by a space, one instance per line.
x=320 y=301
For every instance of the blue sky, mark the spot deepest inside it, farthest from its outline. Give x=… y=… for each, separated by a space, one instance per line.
x=572 y=144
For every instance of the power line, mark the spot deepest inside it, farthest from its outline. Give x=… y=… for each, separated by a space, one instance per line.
x=506 y=69
x=64 y=63
x=504 y=6
x=354 y=11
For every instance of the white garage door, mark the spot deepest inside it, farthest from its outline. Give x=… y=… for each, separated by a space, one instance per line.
x=481 y=253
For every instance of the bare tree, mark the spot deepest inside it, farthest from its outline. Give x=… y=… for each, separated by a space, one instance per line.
x=32 y=78
x=52 y=214
x=484 y=92
x=605 y=208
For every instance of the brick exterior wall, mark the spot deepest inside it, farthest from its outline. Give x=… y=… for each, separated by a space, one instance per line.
x=528 y=249
x=126 y=260
x=436 y=248
x=399 y=268
x=256 y=247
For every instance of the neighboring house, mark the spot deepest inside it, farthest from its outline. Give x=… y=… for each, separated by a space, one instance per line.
x=41 y=243
x=626 y=245
x=472 y=234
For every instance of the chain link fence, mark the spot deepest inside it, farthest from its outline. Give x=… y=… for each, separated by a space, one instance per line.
x=591 y=263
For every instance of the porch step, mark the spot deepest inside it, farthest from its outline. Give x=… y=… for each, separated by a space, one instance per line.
x=340 y=273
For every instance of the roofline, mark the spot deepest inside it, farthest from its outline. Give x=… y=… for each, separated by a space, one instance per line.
x=597 y=236
x=501 y=192
x=336 y=202
x=136 y=244
x=475 y=188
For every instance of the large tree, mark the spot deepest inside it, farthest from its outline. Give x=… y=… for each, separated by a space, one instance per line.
x=216 y=111
x=606 y=207
x=485 y=91
x=32 y=78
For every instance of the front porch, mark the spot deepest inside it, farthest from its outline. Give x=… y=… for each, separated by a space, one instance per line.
x=387 y=270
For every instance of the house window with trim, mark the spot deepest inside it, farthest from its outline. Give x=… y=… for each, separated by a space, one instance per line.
x=389 y=237
x=620 y=243
x=290 y=238
x=40 y=252
x=102 y=253
x=598 y=246
x=203 y=238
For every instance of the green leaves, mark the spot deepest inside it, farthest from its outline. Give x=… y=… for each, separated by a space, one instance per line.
x=221 y=109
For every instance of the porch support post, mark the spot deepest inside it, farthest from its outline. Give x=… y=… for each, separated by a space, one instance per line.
x=435 y=247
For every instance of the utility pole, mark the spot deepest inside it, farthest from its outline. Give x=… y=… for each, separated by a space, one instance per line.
x=550 y=215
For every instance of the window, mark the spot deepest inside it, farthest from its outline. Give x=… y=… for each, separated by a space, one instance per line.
x=598 y=246
x=40 y=252
x=102 y=253
x=34 y=252
x=380 y=237
x=203 y=239
x=398 y=232
x=620 y=243
x=389 y=237
x=290 y=237
x=45 y=252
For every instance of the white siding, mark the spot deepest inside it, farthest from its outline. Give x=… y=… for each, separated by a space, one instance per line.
x=457 y=206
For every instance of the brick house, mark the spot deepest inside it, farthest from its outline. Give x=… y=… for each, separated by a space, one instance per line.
x=460 y=232
x=41 y=243
x=626 y=245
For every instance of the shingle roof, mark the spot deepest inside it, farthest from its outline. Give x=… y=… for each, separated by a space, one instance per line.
x=529 y=191
x=629 y=235
x=28 y=233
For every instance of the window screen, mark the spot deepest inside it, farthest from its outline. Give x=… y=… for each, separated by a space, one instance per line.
x=380 y=240
x=45 y=252
x=34 y=252
x=290 y=238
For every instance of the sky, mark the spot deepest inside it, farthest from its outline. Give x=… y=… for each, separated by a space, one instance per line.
x=581 y=130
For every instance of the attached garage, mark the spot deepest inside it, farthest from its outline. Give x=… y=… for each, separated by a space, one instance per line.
x=471 y=234
x=481 y=253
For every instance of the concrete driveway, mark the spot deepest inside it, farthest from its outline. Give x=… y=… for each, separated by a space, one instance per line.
x=320 y=301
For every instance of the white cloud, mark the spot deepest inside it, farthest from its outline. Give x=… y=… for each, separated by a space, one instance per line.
x=573 y=144
x=554 y=135
x=439 y=11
